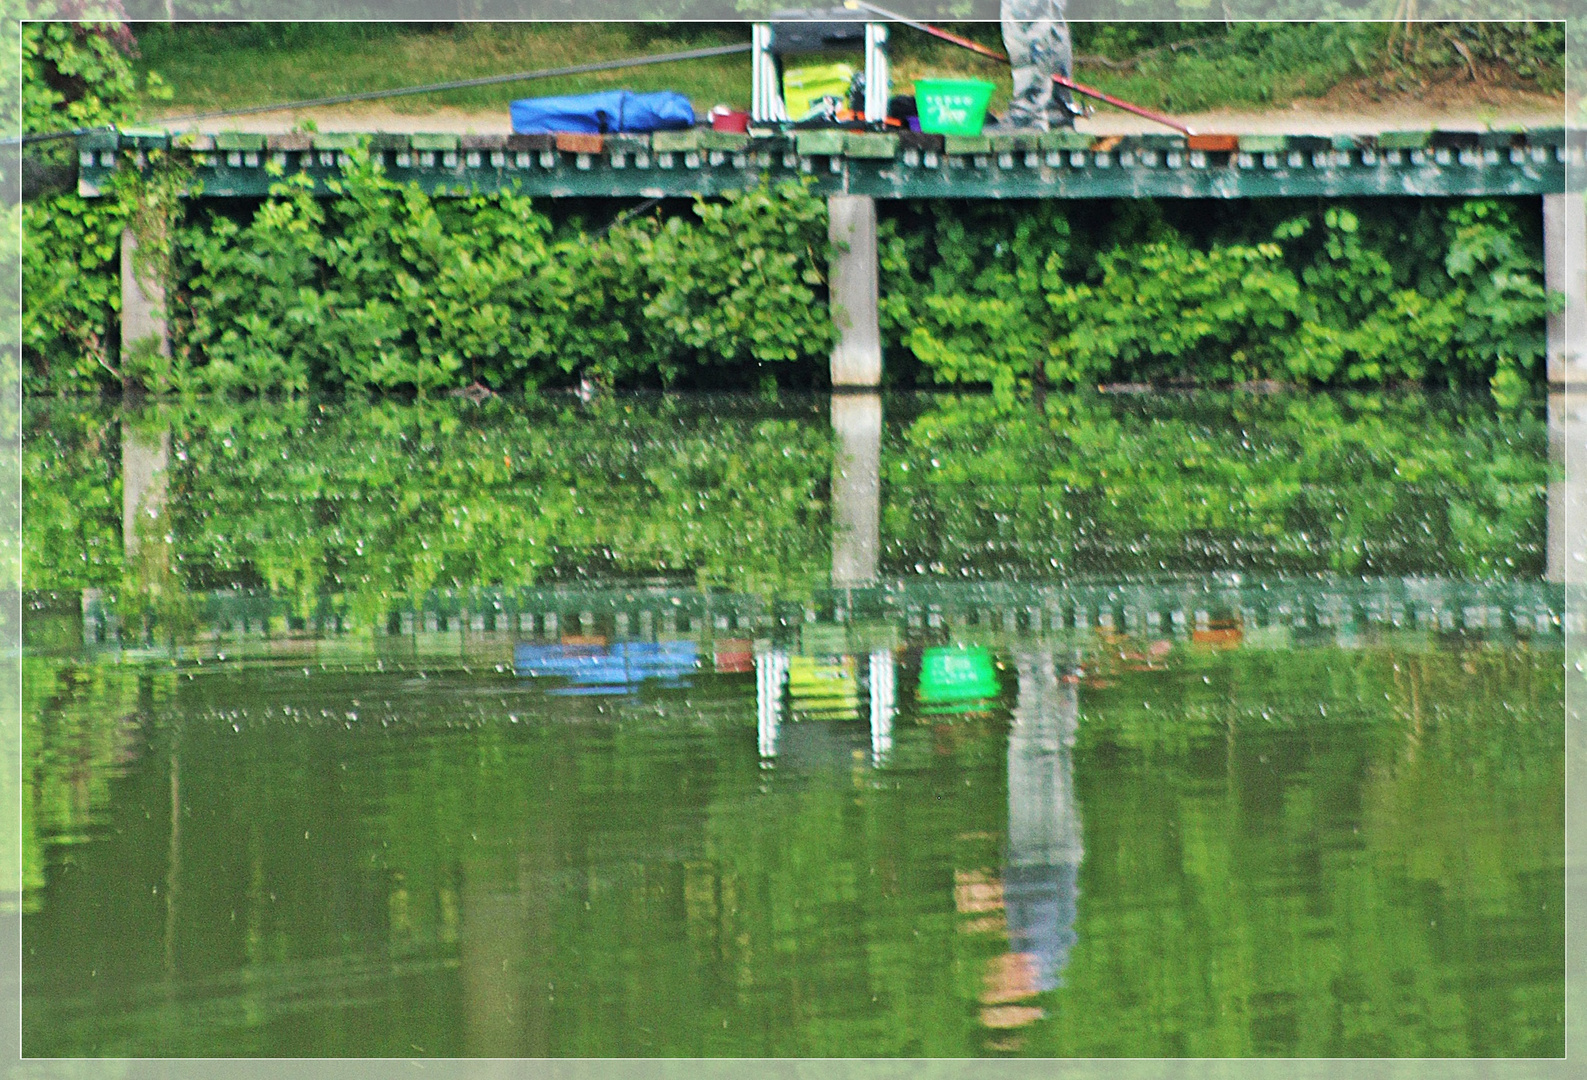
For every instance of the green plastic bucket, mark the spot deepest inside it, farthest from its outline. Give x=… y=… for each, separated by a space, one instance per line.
x=952 y=106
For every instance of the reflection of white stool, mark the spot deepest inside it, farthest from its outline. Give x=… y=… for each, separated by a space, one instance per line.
x=884 y=702
x=771 y=669
x=833 y=29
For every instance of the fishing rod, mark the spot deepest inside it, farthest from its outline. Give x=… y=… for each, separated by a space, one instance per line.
x=1120 y=103
x=432 y=88
x=977 y=47
x=926 y=28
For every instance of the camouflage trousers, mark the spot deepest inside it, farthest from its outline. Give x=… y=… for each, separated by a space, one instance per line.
x=1037 y=39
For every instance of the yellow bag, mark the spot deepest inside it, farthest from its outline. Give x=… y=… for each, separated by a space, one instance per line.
x=803 y=86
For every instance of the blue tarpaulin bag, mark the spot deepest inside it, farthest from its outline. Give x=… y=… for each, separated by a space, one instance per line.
x=608 y=111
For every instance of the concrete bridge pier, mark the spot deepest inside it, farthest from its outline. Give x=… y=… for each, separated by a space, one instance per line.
x=142 y=306
x=856 y=489
x=1565 y=270
x=852 y=287
x=145 y=458
x=1567 y=491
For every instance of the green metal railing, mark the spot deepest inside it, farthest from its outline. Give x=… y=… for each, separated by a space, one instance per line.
x=1066 y=165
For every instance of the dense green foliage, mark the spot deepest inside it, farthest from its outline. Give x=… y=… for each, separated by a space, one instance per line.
x=375 y=502
x=80 y=75
x=71 y=293
x=385 y=287
x=73 y=76
x=1446 y=292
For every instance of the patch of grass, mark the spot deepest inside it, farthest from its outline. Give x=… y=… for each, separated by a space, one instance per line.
x=1247 y=64
x=1272 y=64
x=221 y=66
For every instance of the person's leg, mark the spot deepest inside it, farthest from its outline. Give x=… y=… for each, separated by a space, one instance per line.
x=1058 y=59
x=1038 y=44
x=1032 y=90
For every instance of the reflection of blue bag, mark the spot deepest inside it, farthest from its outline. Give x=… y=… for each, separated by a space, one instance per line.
x=608 y=111
x=608 y=669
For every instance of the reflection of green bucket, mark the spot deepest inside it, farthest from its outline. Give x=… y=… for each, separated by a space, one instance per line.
x=952 y=106
x=950 y=677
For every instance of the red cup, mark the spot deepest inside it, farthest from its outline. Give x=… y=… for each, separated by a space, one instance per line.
x=730 y=121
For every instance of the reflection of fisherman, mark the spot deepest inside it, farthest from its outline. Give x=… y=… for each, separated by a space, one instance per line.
x=1044 y=837
x=1037 y=40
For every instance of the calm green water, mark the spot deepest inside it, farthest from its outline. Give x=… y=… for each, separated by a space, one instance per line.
x=1204 y=726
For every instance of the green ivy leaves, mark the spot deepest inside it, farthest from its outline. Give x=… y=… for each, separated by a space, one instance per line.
x=1323 y=299
x=386 y=288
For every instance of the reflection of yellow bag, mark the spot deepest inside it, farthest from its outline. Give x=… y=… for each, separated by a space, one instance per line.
x=803 y=86
x=824 y=687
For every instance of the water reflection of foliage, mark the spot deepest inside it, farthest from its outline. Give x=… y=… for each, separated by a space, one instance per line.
x=77 y=736
x=1358 y=483
x=71 y=477
x=386 y=499
x=390 y=499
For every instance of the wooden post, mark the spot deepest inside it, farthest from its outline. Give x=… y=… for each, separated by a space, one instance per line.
x=852 y=285
x=142 y=305
x=1565 y=270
